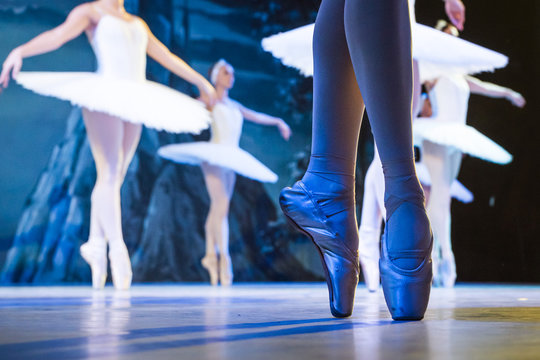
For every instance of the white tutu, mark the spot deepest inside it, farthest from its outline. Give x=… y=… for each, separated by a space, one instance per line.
x=462 y=137
x=227 y=156
x=439 y=54
x=141 y=102
x=457 y=189
x=436 y=51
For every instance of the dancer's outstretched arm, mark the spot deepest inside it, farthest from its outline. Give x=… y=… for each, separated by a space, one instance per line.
x=77 y=21
x=159 y=52
x=265 y=119
x=488 y=89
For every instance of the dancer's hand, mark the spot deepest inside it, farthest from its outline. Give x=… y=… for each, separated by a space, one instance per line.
x=284 y=129
x=516 y=99
x=208 y=94
x=12 y=65
x=456 y=12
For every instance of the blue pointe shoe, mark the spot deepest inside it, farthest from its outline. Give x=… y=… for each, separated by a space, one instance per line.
x=312 y=214
x=406 y=290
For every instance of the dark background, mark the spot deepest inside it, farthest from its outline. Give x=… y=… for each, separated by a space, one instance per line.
x=494 y=238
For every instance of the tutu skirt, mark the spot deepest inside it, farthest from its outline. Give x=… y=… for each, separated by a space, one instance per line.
x=462 y=137
x=437 y=52
x=227 y=156
x=140 y=102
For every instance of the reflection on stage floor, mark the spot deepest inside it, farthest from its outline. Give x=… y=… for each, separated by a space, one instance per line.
x=263 y=321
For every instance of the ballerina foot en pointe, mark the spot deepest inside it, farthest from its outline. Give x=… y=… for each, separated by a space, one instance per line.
x=94 y=252
x=120 y=265
x=219 y=271
x=329 y=220
x=210 y=263
x=405 y=263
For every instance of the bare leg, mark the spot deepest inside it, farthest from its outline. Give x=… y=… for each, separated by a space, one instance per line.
x=220 y=185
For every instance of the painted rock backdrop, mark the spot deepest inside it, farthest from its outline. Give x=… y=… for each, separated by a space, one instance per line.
x=164 y=205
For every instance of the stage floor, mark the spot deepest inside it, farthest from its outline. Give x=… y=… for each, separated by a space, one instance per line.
x=263 y=321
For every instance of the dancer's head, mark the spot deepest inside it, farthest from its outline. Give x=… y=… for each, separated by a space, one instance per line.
x=447 y=27
x=222 y=75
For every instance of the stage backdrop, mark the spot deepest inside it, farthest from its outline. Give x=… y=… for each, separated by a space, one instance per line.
x=47 y=171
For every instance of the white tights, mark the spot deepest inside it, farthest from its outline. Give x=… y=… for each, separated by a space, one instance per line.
x=113 y=143
x=220 y=185
x=443 y=164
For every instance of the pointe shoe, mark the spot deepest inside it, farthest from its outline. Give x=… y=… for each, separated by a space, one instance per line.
x=303 y=209
x=369 y=254
x=120 y=266
x=94 y=252
x=210 y=263
x=406 y=291
x=225 y=270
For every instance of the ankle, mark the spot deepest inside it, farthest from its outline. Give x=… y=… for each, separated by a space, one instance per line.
x=117 y=246
x=401 y=185
x=98 y=240
x=330 y=172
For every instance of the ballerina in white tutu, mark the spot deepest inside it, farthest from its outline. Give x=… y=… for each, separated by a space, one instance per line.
x=116 y=101
x=220 y=159
x=444 y=138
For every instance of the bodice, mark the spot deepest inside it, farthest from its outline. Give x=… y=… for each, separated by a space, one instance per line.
x=450 y=98
x=226 y=127
x=120 y=48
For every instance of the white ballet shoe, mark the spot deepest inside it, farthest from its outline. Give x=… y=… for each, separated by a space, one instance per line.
x=225 y=270
x=120 y=265
x=369 y=254
x=94 y=252
x=210 y=263
x=448 y=272
x=436 y=266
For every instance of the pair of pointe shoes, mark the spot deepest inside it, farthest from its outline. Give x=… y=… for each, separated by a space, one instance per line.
x=406 y=290
x=94 y=252
x=219 y=271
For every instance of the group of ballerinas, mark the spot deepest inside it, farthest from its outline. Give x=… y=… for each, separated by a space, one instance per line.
x=117 y=100
x=359 y=53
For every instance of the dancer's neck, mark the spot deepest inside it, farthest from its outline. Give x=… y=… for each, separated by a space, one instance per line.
x=117 y=5
x=222 y=93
